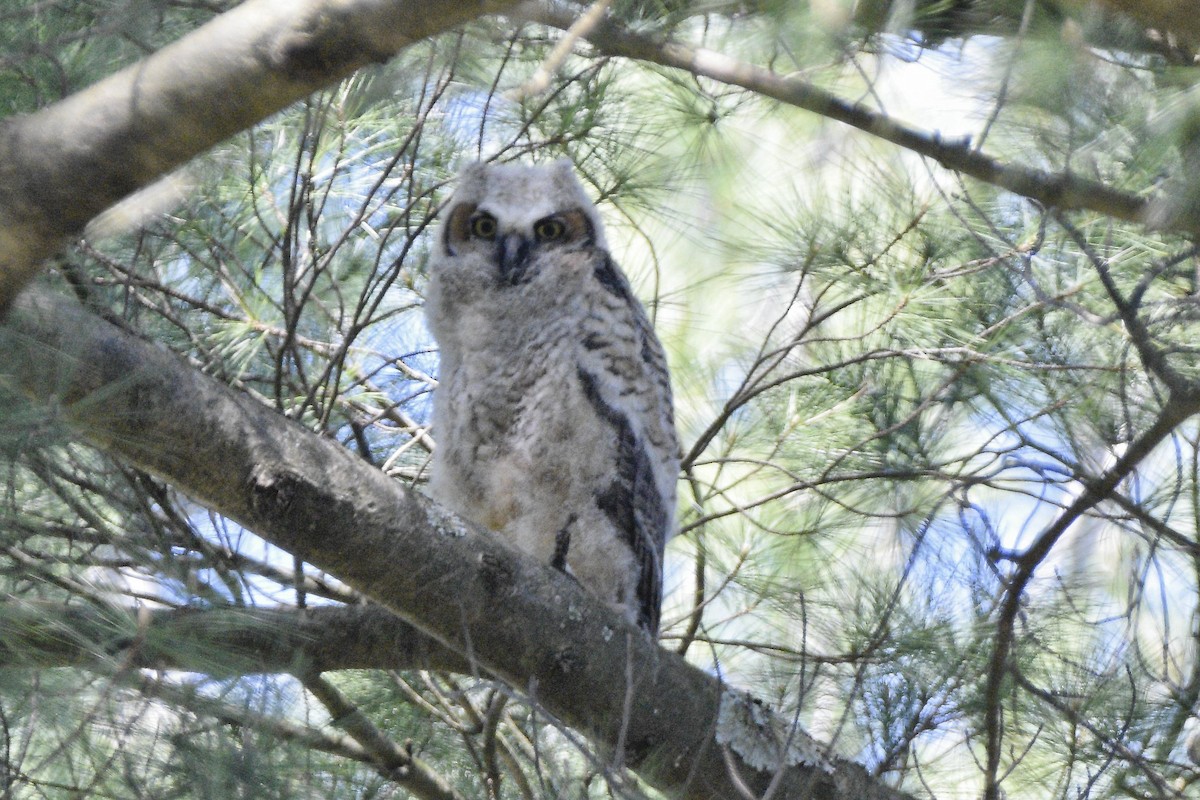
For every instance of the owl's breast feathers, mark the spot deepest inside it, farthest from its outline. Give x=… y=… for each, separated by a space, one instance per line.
x=554 y=397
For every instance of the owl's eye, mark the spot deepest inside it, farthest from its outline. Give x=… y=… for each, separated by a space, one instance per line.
x=549 y=229
x=483 y=226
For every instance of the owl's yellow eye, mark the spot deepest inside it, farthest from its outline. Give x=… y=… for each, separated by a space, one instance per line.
x=549 y=229
x=483 y=226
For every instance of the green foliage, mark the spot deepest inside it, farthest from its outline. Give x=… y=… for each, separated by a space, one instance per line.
x=56 y=47
x=890 y=382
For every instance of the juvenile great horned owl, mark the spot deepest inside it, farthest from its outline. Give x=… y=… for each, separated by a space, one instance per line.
x=553 y=408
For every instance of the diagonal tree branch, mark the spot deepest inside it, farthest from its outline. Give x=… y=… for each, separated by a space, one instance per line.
x=391 y=759
x=517 y=619
x=1153 y=358
x=1095 y=491
x=65 y=164
x=1062 y=190
x=188 y=697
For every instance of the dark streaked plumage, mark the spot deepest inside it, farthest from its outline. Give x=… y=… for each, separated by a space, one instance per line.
x=553 y=410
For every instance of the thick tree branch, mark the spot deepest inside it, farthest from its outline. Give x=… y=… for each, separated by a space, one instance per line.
x=220 y=642
x=65 y=164
x=517 y=619
x=1062 y=191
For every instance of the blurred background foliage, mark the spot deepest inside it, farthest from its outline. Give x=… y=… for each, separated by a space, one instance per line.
x=893 y=385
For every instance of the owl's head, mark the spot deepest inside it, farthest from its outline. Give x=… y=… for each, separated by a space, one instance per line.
x=508 y=214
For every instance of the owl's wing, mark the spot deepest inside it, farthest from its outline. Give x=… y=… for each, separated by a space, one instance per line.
x=633 y=503
x=623 y=373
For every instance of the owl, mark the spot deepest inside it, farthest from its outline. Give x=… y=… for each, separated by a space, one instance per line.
x=552 y=414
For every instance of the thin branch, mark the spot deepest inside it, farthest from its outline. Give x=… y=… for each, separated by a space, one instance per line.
x=229 y=714
x=1153 y=359
x=406 y=770
x=1093 y=492
x=1105 y=740
x=220 y=642
x=540 y=80
x=1057 y=190
x=397 y=763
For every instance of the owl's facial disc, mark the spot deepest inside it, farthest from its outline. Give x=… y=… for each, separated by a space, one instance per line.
x=514 y=241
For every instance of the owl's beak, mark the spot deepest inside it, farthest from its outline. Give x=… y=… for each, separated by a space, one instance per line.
x=514 y=254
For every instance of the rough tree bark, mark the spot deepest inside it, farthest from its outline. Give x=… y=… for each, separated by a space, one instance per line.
x=65 y=164
x=507 y=615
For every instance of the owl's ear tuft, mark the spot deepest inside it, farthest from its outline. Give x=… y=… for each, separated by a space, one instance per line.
x=563 y=172
x=471 y=172
x=566 y=178
x=471 y=181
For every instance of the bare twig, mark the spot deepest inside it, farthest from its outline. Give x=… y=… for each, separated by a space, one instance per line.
x=187 y=697
x=1153 y=359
